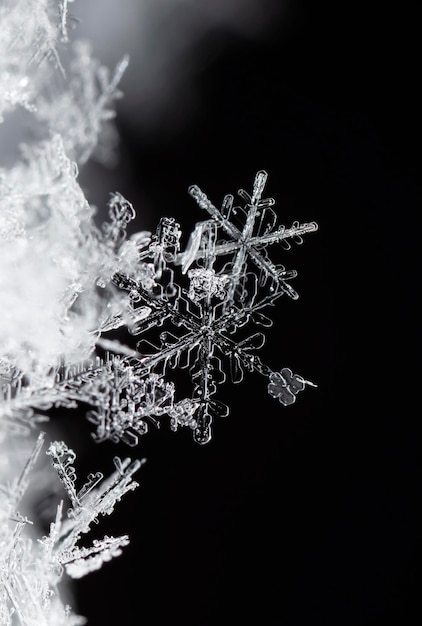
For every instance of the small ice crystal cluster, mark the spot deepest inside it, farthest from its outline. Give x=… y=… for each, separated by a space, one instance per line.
x=90 y=316
x=31 y=567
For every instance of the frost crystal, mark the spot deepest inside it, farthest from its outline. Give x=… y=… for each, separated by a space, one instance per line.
x=203 y=320
x=31 y=567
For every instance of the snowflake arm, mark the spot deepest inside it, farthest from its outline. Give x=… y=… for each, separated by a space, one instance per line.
x=22 y=483
x=82 y=561
x=244 y=242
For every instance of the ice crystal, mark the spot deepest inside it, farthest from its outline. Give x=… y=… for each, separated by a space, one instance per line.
x=31 y=567
x=204 y=319
x=125 y=402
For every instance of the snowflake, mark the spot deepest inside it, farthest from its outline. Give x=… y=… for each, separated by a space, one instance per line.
x=216 y=305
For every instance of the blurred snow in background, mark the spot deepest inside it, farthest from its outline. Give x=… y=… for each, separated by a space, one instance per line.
x=169 y=42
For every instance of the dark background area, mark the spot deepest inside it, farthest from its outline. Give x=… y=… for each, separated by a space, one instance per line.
x=306 y=515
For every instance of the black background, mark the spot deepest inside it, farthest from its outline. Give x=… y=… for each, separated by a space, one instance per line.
x=305 y=515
